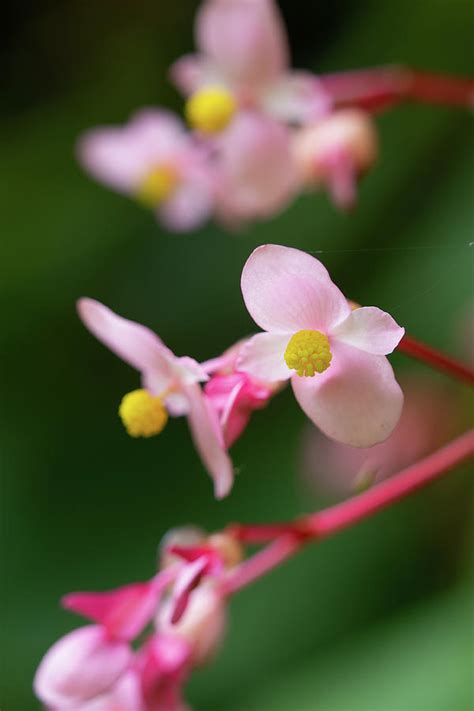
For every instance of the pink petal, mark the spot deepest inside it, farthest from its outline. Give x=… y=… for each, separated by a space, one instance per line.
x=286 y=290
x=191 y=72
x=296 y=97
x=189 y=206
x=124 y=612
x=203 y=625
x=356 y=401
x=234 y=418
x=125 y=696
x=186 y=581
x=120 y=156
x=163 y=670
x=257 y=171
x=80 y=666
x=246 y=39
x=370 y=329
x=135 y=344
x=209 y=442
x=262 y=357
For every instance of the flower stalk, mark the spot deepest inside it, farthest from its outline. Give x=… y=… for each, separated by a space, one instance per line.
x=288 y=538
x=380 y=88
x=437 y=360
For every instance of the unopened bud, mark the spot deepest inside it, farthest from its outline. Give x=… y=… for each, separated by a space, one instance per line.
x=349 y=132
x=202 y=625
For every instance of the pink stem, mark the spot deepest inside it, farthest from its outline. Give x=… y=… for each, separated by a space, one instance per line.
x=290 y=537
x=379 y=88
x=435 y=359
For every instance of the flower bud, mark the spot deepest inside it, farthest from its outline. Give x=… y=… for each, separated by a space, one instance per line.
x=348 y=132
x=202 y=625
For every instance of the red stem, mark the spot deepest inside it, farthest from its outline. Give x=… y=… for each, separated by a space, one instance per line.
x=379 y=88
x=290 y=537
x=437 y=360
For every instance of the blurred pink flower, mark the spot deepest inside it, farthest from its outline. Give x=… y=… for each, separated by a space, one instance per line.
x=343 y=381
x=335 y=152
x=170 y=386
x=243 y=62
x=235 y=395
x=256 y=169
x=338 y=469
x=95 y=668
x=153 y=159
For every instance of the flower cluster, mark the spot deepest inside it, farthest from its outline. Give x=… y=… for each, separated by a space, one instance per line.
x=181 y=610
x=333 y=353
x=259 y=132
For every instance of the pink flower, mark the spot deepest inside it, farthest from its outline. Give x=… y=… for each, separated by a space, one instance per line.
x=154 y=160
x=335 y=152
x=243 y=62
x=170 y=387
x=334 y=468
x=255 y=167
x=95 y=668
x=235 y=395
x=335 y=357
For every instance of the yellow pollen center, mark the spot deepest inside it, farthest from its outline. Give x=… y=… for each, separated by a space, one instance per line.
x=143 y=415
x=308 y=353
x=157 y=186
x=211 y=109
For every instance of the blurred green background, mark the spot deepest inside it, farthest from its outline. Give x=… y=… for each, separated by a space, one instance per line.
x=377 y=619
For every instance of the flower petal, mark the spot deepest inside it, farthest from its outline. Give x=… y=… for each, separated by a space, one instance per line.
x=296 y=97
x=286 y=290
x=262 y=357
x=189 y=206
x=120 y=156
x=207 y=436
x=246 y=39
x=79 y=667
x=135 y=344
x=257 y=175
x=356 y=401
x=123 y=612
x=371 y=330
x=193 y=71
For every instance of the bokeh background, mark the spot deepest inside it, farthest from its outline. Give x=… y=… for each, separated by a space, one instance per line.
x=377 y=619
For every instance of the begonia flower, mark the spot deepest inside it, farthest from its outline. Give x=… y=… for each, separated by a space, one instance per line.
x=334 y=356
x=243 y=62
x=335 y=151
x=255 y=169
x=96 y=669
x=154 y=160
x=170 y=386
x=235 y=395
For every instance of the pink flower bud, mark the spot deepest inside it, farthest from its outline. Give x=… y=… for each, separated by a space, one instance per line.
x=335 y=151
x=202 y=625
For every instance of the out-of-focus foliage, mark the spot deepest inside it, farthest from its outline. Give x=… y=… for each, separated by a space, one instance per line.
x=83 y=506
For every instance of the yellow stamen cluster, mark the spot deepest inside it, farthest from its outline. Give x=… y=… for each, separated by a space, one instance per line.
x=157 y=186
x=143 y=415
x=308 y=353
x=211 y=109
